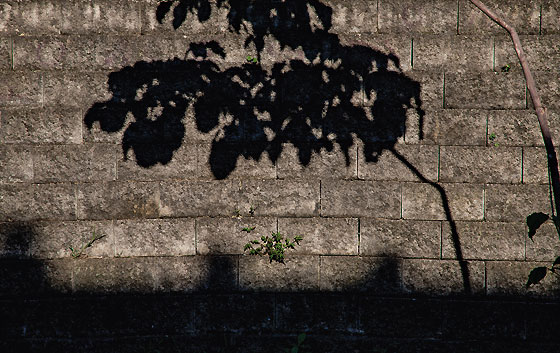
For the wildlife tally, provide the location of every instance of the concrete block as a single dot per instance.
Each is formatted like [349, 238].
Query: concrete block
[519, 128]
[53, 239]
[214, 21]
[285, 198]
[535, 165]
[381, 276]
[389, 51]
[522, 15]
[485, 241]
[164, 161]
[74, 163]
[322, 236]
[425, 17]
[539, 51]
[299, 273]
[306, 313]
[485, 91]
[156, 237]
[389, 168]
[75, 89]
[545, 245]
[360, 199]
[15, 239]
[110, 200]
[118, 18]
[423, 201]
[26, 278]
[480, 164]
[199, 198]
[549, 89]
[245, 312]
[550, 11]
[235, 160]
[124, 275]
[452, 53]
[225, 235]
[17, 164]
[509, 278]
[196, 274]
[47, 125]
[431, 88]
[401, 238]
[5, 53]
[515, 202]
[448, 127]
[356, 17]
[308, 161]
[25, 202]
[441, 277]
[389, 316]
[23, 89]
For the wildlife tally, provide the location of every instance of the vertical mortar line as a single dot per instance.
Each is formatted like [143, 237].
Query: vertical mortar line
[540, 20]
[522, 157]
[457, 17]
[359, 235]
[320, 197]
[196, 236]
[441, 240]
[412, 53]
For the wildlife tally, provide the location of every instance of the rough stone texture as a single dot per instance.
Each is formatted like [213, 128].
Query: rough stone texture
[280, 197]
[25, 202]
[215, 161]
[549, 89]
[221, 235]
[193, 198]
[299, 273]
[462, 53]
[441, 277]
[359, 17]
[362, 274]
[522, 15]
[74, 88]
[535, 165]
[401, 238]
[324, 164]
[514, 203]
[166, 237]
[425, 17]
[54, 239]
[118, 200]
[23, 89]
[430, 87]
[5, 53]
[17, 164]
[510, 278]
[388, 167]
[423, 201]
[519, 128]
[480, 164]
[485, 91]
[544, 245]
[485, 241]
[74, 163]
[549, 14]
[330, 236]
[360, 198]
[449, 127]
[539, 51]
[48, 125]
[183, 164]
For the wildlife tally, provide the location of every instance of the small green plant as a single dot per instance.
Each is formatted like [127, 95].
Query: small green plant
[298, 346]
[249, 229]
[79, 252]
[252, 59]
[237, 213]
[273, 246]
[492, 138]
[251, 211]
[506, 68]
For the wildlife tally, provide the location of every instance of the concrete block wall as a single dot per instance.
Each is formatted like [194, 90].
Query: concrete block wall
[430, 225]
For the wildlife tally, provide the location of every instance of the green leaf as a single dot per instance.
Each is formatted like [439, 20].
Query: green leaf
[536, 275]
[534, 221]
[247, 247]
[300, 338]
[249, 229]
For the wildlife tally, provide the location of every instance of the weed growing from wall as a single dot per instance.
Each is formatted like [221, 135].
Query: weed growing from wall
[273, 246]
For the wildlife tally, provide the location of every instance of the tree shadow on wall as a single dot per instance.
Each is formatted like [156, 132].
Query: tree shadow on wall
[332, 96]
